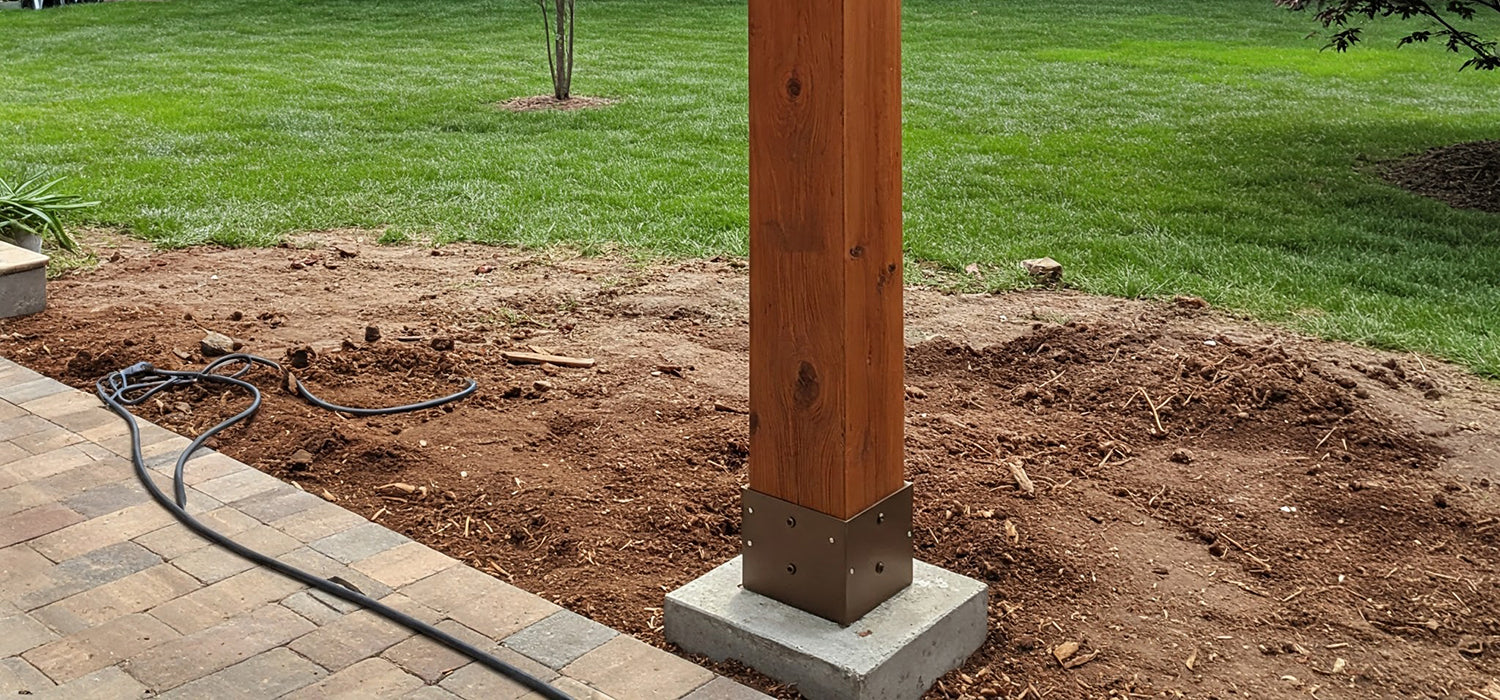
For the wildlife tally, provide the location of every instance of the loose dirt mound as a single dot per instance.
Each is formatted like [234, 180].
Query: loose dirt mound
[1465, 175]
[1221, 509]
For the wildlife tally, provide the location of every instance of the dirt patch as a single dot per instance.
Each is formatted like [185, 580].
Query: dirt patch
[1222, 509]
[1465, 175]
[537, 103]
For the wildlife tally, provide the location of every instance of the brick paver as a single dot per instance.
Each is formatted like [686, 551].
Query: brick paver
[268, 675]
[629, 669]
[104, 595]
[207, 651]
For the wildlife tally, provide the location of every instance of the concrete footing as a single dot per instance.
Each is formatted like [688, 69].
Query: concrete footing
[895, 652]
[23, 281]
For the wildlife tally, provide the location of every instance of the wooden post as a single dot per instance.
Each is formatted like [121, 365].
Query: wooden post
[826, 345]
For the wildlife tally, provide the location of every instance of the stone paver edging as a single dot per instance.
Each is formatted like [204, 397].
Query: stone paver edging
[104, 595]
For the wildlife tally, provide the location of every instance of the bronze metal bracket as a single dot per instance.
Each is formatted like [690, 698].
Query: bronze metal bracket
[835, 569]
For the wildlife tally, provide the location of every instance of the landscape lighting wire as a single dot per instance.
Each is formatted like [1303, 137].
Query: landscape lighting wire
[141, 381]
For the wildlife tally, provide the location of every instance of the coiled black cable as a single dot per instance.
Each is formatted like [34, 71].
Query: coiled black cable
[141, 381]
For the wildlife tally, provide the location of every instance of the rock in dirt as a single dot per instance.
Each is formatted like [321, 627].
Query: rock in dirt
[300, 460]
[442, 344]
[542, 386]
[1065, 651]
[915, 392]
[1189, 302]
[217, 344]
[1045, 270]
[372, 334]
[1182, 455]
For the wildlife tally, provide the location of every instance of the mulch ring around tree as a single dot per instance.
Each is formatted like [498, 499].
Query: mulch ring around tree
[537, 103]
[1464, 175]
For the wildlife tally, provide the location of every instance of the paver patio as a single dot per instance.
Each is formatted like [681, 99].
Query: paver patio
[104, 595]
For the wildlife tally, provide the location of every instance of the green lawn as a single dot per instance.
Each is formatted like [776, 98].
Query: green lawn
[1200, 147]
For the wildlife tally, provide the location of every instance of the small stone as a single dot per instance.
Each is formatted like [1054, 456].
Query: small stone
[372, 334]
[217, 344]
[1189, 302]
[1161, 571]
[484, 269]
[1433, 394]
[237, 316]
[542, 386]
[1028, 643]
[1439, 500]
[1182, 455]
[1065, 651]
[300, 460]
[915, 392]
[442, 344]
[1217, 549]
[1044, 270]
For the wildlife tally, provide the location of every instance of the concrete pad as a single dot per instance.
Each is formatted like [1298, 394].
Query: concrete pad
[895, 652]
[23, 281]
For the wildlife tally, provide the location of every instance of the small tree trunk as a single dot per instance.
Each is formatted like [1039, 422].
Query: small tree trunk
[568, 75]
[562, 77]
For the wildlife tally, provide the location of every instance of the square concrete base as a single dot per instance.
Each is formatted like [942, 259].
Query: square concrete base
[895, 652]
[23, 281]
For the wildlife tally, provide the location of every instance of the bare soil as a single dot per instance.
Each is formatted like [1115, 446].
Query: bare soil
[536, 103]
[1222, 509]
[1464, 175]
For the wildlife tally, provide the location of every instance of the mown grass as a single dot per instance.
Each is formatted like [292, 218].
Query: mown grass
[1200, 147]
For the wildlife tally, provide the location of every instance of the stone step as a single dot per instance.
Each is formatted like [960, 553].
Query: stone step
[23, 281]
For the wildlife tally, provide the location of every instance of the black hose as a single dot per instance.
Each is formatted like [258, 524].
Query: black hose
[139, 382]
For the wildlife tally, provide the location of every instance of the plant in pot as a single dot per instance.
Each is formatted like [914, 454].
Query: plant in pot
[30, 212]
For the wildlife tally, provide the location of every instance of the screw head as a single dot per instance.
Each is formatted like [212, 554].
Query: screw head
[791, 522]
[880, 518]
[830, 540]
[791, 568]
[749, 543]
[879, 567]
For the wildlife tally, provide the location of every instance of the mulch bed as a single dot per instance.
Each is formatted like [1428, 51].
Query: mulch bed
[538, 103]
[1464, 175]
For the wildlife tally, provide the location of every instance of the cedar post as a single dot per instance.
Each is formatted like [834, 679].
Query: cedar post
[827, 515]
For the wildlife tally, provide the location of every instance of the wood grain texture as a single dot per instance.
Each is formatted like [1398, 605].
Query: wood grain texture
[825, 252]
